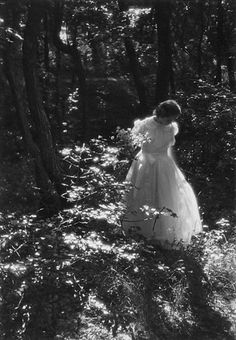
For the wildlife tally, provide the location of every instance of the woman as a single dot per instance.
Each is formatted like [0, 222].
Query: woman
[161, 204]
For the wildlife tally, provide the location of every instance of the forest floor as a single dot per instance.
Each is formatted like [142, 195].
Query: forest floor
[111, 285]
[212, 258]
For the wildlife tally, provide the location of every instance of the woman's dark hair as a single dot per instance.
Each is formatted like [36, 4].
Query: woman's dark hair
[167, 108]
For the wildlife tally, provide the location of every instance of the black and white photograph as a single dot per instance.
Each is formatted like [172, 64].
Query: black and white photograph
[117, 170]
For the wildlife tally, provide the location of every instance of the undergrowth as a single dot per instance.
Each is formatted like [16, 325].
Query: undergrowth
[61, 275]
[77, 275]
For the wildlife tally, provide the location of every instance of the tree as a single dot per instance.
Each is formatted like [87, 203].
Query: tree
[72, 50]
[135, 69]
[220, 41]
[49, 164]
[164, 72]
[226, 13]
[38, 141]
[163, 17]
[136, 73]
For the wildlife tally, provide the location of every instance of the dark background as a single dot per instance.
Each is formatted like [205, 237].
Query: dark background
[71, 71]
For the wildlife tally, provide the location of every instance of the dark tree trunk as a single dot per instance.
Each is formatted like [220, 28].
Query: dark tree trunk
[220, 41]
[79, 70]
[224, 49]
[98, 53]
[135, 69]
[46, 42]
[172, 82]
[15, 83]
[136, 73]
[46, 82]
[58, 108]
[40, 120]
[163, 13]
[231, 71]
[75, 54]
[202, 29]
[13, 71]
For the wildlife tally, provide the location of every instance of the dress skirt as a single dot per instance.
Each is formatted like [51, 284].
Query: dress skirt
[161, 204]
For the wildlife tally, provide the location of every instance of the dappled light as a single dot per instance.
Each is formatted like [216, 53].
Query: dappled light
[100, 272]
[75, 76]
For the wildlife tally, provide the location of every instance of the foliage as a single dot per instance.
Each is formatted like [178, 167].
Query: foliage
[61, 274]
[98, 28]
[18, 190]
[205, 146]
[104, 115]
[76, 275]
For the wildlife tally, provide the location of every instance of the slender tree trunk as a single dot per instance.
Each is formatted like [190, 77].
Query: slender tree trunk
[135, 68]
[231, 71]
[80, 72]
[75, 54]
[224, 50]
[199, 50]
[40, 120]
[172, 82]
[136, 73]
[231, 56]
[163, 13]
[58, 109]
[46, 42]
[98, 54]
[220, 41]
[46, 82]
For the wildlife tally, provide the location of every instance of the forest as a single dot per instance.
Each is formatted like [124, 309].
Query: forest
[74, 75]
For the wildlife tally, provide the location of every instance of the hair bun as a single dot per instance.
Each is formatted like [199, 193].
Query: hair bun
[168, 108]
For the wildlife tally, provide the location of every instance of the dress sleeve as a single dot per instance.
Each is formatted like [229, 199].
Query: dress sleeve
[175, 128]
[140, 131]
[140, 127]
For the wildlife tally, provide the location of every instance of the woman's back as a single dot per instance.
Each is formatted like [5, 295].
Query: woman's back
[158, 137]
[158, 183]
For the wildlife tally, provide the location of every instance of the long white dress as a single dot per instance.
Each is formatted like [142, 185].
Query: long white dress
[157, 184]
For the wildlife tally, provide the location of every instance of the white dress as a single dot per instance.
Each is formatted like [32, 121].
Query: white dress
[157, 182]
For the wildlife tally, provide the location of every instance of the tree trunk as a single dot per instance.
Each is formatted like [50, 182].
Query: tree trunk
[135, 69]
[202, 27]
[231, 72]
[80, 72]
[40, 120]
[46, 82]
[224, 50]
[136, 73]
[46, 42]
[220, 42]
[98, 55]
[172, 82]
[163, 13]
[58, 109]
[15, 83]
[12, 59]
[75, 54]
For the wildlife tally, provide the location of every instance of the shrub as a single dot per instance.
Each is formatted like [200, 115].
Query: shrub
[61, 274]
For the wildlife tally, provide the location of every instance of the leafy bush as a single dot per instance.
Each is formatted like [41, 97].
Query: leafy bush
[17, 186]
[56, 273]
[205, 147]
[77, 275]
